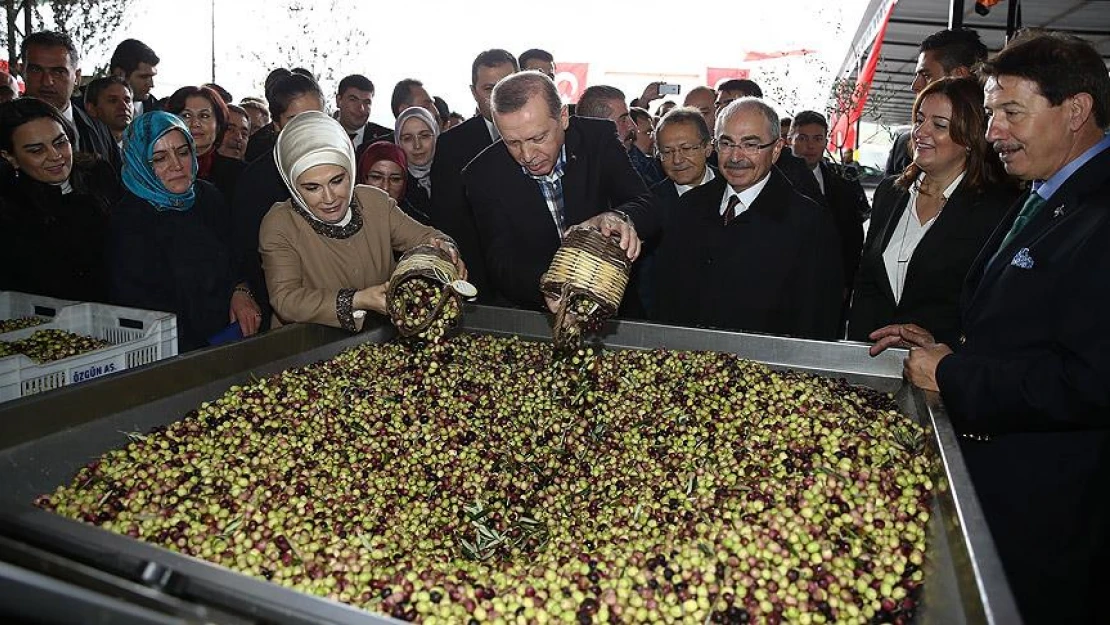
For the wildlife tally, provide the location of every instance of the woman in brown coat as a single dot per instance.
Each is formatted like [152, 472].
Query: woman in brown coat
[328, 252]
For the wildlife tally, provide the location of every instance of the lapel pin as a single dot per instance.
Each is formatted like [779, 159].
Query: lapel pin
[1022, 259]
[1059, 211]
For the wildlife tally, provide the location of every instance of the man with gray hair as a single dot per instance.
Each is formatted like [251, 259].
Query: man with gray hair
[549, 172]
[748, 252]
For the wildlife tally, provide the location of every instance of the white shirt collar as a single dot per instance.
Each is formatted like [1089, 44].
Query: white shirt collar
[946, 195]
[820, 177]
[357, 140]
[747, 196]
[492, 128]
[683, 188]
[68, 112]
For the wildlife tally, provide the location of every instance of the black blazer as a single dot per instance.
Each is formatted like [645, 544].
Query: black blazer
[775, 269]
[373, 134]
[514, 224]
[899, 157]
[95, 138]
[53, 243]
[261, 142]
[174, 261]
[416, 202]
[450, 210]
[1034, 371]
[225, 175]
[848, 204]
[935, 276]
[260, 187]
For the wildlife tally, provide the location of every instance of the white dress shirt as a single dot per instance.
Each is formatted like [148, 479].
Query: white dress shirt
[820, 178]
[683, 188]
[907, 235]
[747, 196]
[492, 128]
[68, 114]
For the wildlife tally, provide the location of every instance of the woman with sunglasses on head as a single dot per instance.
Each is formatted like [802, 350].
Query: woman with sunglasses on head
[169, 245]
[54, 206]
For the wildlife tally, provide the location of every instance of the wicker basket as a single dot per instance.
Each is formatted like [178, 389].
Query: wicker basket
[427, 262]
[590, 265]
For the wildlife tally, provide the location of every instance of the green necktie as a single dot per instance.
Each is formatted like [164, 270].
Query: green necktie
[1028, 211]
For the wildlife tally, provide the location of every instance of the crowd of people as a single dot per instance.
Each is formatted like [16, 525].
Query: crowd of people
[985, 253]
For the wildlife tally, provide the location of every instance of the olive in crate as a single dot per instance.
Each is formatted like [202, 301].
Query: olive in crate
[50, 345]
[11, 325]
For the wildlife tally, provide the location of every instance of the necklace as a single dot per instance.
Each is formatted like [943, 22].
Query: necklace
[905, 256]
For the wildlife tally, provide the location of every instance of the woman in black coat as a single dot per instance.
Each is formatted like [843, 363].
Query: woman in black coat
[205, 113]
[929, 224]
[54, 207]
[169, 237]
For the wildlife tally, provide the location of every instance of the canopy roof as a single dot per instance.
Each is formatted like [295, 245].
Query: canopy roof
[914, 20]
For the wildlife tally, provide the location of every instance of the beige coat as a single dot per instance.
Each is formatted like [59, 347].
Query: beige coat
[310, 271]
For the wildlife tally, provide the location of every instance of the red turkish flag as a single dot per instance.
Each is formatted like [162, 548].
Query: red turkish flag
[570, 79]
[714, 76]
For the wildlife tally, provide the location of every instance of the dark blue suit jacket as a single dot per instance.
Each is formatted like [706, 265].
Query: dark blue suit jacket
[1034, 372]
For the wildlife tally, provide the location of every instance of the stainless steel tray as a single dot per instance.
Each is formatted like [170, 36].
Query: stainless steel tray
[44, 440]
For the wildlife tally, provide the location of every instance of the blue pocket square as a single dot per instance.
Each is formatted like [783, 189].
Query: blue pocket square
[1022, 259]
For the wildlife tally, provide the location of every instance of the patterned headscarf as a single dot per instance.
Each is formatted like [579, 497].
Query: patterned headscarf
[138, 171]
[313, 138]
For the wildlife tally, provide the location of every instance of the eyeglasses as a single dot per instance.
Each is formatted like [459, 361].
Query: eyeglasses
[686, 151]
[747, 147]
[376, 178]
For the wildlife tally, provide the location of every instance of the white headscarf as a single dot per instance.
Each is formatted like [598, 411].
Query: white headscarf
[313, 138]
[422, 173]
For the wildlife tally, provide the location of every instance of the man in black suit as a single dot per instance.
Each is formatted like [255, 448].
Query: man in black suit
[954, 52]
[747, 251]
[547, 173]
[809, 134]
[353, 100]
[684, 143]
[450, 211]
[1032, 371]
[136, 62]
[52, 68]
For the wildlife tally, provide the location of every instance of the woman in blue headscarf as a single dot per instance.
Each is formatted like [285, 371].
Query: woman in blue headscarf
[169, 237]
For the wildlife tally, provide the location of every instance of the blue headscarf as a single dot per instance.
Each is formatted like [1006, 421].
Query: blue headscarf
[138, 150]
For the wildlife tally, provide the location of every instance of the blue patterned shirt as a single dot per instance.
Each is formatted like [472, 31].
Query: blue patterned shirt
[551, 185]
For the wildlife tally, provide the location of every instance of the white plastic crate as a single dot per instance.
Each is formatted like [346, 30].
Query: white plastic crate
[138, 337]
[14, 305]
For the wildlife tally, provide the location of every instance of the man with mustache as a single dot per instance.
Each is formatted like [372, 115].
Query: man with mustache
[746, 251]
[1028, 383]
[52, 68]
[549, 172]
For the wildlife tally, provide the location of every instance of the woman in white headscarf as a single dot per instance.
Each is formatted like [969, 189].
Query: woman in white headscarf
[416, 132]
[328, 252]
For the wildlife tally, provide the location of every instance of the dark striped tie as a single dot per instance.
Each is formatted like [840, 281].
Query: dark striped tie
[730, 210]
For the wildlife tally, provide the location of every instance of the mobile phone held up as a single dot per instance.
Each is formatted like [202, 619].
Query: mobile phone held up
[669, 89]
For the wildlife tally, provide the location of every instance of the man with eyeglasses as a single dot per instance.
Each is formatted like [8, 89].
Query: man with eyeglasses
[52, 68]
[746, 251]
[846, 200]
[683, 143]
